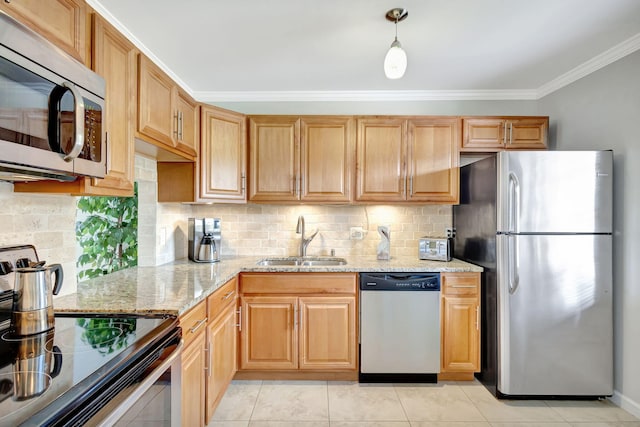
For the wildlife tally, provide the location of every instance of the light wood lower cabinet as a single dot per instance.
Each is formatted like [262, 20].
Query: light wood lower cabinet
[209, 332]
[460, 311]
[298, 322]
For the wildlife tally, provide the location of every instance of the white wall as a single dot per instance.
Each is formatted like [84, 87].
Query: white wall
[602, 111]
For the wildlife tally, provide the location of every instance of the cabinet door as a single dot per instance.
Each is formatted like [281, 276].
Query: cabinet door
[460, 352]
[222, 155]
[483, 134]
[187, 135]
[156, 117]
[380, 154]
[221, 350]
[114, 58]
[326, 150]
[63, 22]
[328, 333]
[433, 160]
[274, 158]
[193, 386]
[269, 336]
[528, 133]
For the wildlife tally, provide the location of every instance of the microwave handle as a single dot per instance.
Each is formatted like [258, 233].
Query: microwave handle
[78, 122]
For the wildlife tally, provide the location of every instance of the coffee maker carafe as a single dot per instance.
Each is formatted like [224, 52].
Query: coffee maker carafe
[204, 239]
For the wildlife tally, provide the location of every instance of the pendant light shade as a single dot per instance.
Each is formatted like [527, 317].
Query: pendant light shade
[395, 62]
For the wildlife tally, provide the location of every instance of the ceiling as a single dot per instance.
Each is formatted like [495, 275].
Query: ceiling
[253, 50]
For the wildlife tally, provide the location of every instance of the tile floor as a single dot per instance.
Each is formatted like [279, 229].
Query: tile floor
[350, 404]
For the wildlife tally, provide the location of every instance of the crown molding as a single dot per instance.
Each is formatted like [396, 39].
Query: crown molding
[364, 95]
[99, 8]
[594, 64]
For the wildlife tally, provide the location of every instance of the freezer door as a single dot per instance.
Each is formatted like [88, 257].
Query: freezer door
[555, 191]
[555, 320]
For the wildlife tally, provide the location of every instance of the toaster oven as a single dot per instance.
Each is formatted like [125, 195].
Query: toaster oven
[435, 249]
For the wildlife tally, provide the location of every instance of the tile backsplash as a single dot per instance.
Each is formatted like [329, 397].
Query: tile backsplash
[47, 222]
[269, 230]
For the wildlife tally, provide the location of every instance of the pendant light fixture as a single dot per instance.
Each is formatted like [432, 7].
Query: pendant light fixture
[395, 62]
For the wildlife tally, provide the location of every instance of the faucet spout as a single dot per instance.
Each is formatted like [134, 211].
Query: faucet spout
[304, 241]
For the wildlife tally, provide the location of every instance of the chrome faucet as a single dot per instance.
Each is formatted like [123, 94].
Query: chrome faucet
[304, 242]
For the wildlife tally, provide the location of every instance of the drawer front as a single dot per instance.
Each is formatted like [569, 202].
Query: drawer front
[193, 322]
[298, 283]
[222, 298]
[460, 283]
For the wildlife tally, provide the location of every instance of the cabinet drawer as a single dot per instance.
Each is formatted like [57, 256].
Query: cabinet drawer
[460, 283]
[221, 298]
[298, 283]
[193, 322]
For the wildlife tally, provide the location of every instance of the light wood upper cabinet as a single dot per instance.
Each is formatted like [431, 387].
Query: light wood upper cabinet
[114, 58]
[433, 161]
[187, 135]
[222, 159]
[327, 146]
[408, 159]
[381, 152]
[300, 158]
[489, 134]
[273, 158]
[167, 117]
[63, 22]
[460, 324]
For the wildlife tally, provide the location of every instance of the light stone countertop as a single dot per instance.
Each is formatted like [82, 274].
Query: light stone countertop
[175, 287]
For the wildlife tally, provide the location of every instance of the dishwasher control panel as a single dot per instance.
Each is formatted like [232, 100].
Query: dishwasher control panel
[400, 281]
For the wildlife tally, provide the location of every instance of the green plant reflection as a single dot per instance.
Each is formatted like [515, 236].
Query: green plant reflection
[107, 335]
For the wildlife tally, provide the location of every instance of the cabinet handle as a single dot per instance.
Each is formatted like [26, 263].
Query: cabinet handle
[239, 324]
[295, 317]
[181, 127]
[176, 131]
[228, 295]
[411, 186]
[477, 318]
[510, 133]
[243, 180]
[198, 325]
[405, 187]
[210, 361]
[504, 134]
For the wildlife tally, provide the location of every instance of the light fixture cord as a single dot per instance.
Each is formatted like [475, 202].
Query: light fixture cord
[396, 28]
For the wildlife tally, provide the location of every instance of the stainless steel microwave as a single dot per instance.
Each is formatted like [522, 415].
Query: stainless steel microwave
[51, 110]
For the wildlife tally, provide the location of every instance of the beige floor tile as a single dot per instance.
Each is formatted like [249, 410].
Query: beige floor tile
[516, 424]
[608, 424]
[589, 411]
[370, 424]
[437, 402]
[364, 402]
[228, 424]
[238, 402]
[510, 411]
[289, 424]
[292, 401]
[450, 424]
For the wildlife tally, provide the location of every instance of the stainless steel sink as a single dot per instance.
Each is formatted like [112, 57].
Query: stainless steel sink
[303, 261]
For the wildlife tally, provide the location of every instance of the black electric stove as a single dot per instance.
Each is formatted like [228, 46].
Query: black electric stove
[67, 374]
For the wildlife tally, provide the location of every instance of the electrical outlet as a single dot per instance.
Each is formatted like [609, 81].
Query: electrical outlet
[356, 233]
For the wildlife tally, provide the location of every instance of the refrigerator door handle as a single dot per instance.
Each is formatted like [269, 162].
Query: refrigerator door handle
[512, 263]
[513, 203]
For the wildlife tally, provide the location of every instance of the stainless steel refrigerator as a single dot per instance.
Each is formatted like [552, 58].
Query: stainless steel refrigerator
[540, 223]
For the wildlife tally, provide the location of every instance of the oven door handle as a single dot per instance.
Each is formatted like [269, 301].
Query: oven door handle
[117, 412]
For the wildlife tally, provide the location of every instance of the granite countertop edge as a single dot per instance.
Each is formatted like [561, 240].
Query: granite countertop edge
[178, 286]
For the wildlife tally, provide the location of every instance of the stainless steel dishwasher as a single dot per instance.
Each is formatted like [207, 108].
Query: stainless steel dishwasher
[399, 327]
